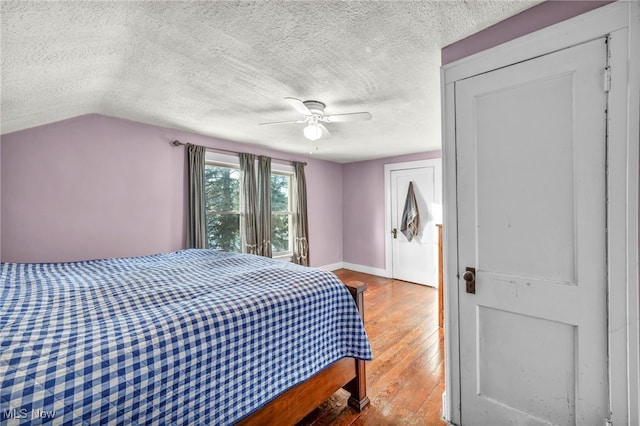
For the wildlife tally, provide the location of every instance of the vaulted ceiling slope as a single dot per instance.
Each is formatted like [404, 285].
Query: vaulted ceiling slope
[219, 68]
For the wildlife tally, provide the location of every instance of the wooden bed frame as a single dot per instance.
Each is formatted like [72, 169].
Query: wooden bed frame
[348, 373]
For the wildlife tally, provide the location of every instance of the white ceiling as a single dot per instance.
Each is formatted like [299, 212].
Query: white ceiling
[219, 68]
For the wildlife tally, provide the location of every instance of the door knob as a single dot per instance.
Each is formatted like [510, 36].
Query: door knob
[394, 231]
[470, 278]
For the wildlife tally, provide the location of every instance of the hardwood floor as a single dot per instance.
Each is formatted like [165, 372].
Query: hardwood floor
[405, 380]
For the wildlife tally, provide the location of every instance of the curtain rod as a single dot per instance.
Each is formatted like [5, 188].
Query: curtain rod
[178, 143]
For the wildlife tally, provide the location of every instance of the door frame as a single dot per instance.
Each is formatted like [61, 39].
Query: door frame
[388, 168]
[620, 20]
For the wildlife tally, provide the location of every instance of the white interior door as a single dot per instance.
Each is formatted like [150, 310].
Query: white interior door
[416, 260]
[531, 193]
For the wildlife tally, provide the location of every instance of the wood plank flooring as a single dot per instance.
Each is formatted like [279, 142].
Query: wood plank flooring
[405, 380]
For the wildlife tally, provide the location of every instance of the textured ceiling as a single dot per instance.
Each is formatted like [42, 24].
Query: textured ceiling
[219, 68]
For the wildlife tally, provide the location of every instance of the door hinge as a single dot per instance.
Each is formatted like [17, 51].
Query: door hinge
[607, 79]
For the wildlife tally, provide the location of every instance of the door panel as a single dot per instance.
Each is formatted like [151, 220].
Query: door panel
[531, 218]
[500, 379]
[524, 229]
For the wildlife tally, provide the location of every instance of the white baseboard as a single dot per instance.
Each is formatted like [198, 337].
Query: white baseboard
[354, 267]
[333, 266]
[365, 269]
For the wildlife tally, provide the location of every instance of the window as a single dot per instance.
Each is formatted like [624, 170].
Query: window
[222, 203]
[223, 206]
[281, 214]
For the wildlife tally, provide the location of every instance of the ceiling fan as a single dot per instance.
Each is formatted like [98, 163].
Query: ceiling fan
[313, 112]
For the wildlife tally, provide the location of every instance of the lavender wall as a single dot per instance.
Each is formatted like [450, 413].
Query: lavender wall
[363, 209]
[526, 22]
[0, 197]
[96, 186]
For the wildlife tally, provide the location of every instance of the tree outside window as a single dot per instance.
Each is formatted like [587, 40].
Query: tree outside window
[281, 214]
[222, 194]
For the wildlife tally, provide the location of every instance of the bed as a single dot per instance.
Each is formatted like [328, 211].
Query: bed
[191, 337]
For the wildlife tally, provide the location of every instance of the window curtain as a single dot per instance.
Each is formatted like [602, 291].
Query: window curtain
[249, 202]
[264, 206]
[196, 222]
[300, 224]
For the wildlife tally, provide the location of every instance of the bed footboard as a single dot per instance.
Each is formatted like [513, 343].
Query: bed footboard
[358, 386]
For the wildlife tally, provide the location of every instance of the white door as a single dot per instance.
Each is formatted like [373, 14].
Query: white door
[416, 260]
[531, 168]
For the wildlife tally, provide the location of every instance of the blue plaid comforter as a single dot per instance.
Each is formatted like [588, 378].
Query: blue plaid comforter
[192, 337]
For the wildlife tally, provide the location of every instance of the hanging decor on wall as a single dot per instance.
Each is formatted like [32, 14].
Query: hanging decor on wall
[410, 225]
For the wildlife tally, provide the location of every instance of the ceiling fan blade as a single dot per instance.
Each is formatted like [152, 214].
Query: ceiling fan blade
[325, 133]
[282, 122]
[299, 106]
[352, 116]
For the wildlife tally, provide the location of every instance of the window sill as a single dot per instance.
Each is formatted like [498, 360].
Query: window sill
[283, 257]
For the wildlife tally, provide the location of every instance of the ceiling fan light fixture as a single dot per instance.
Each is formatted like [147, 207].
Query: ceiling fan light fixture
[312, 132]
[313, 115]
